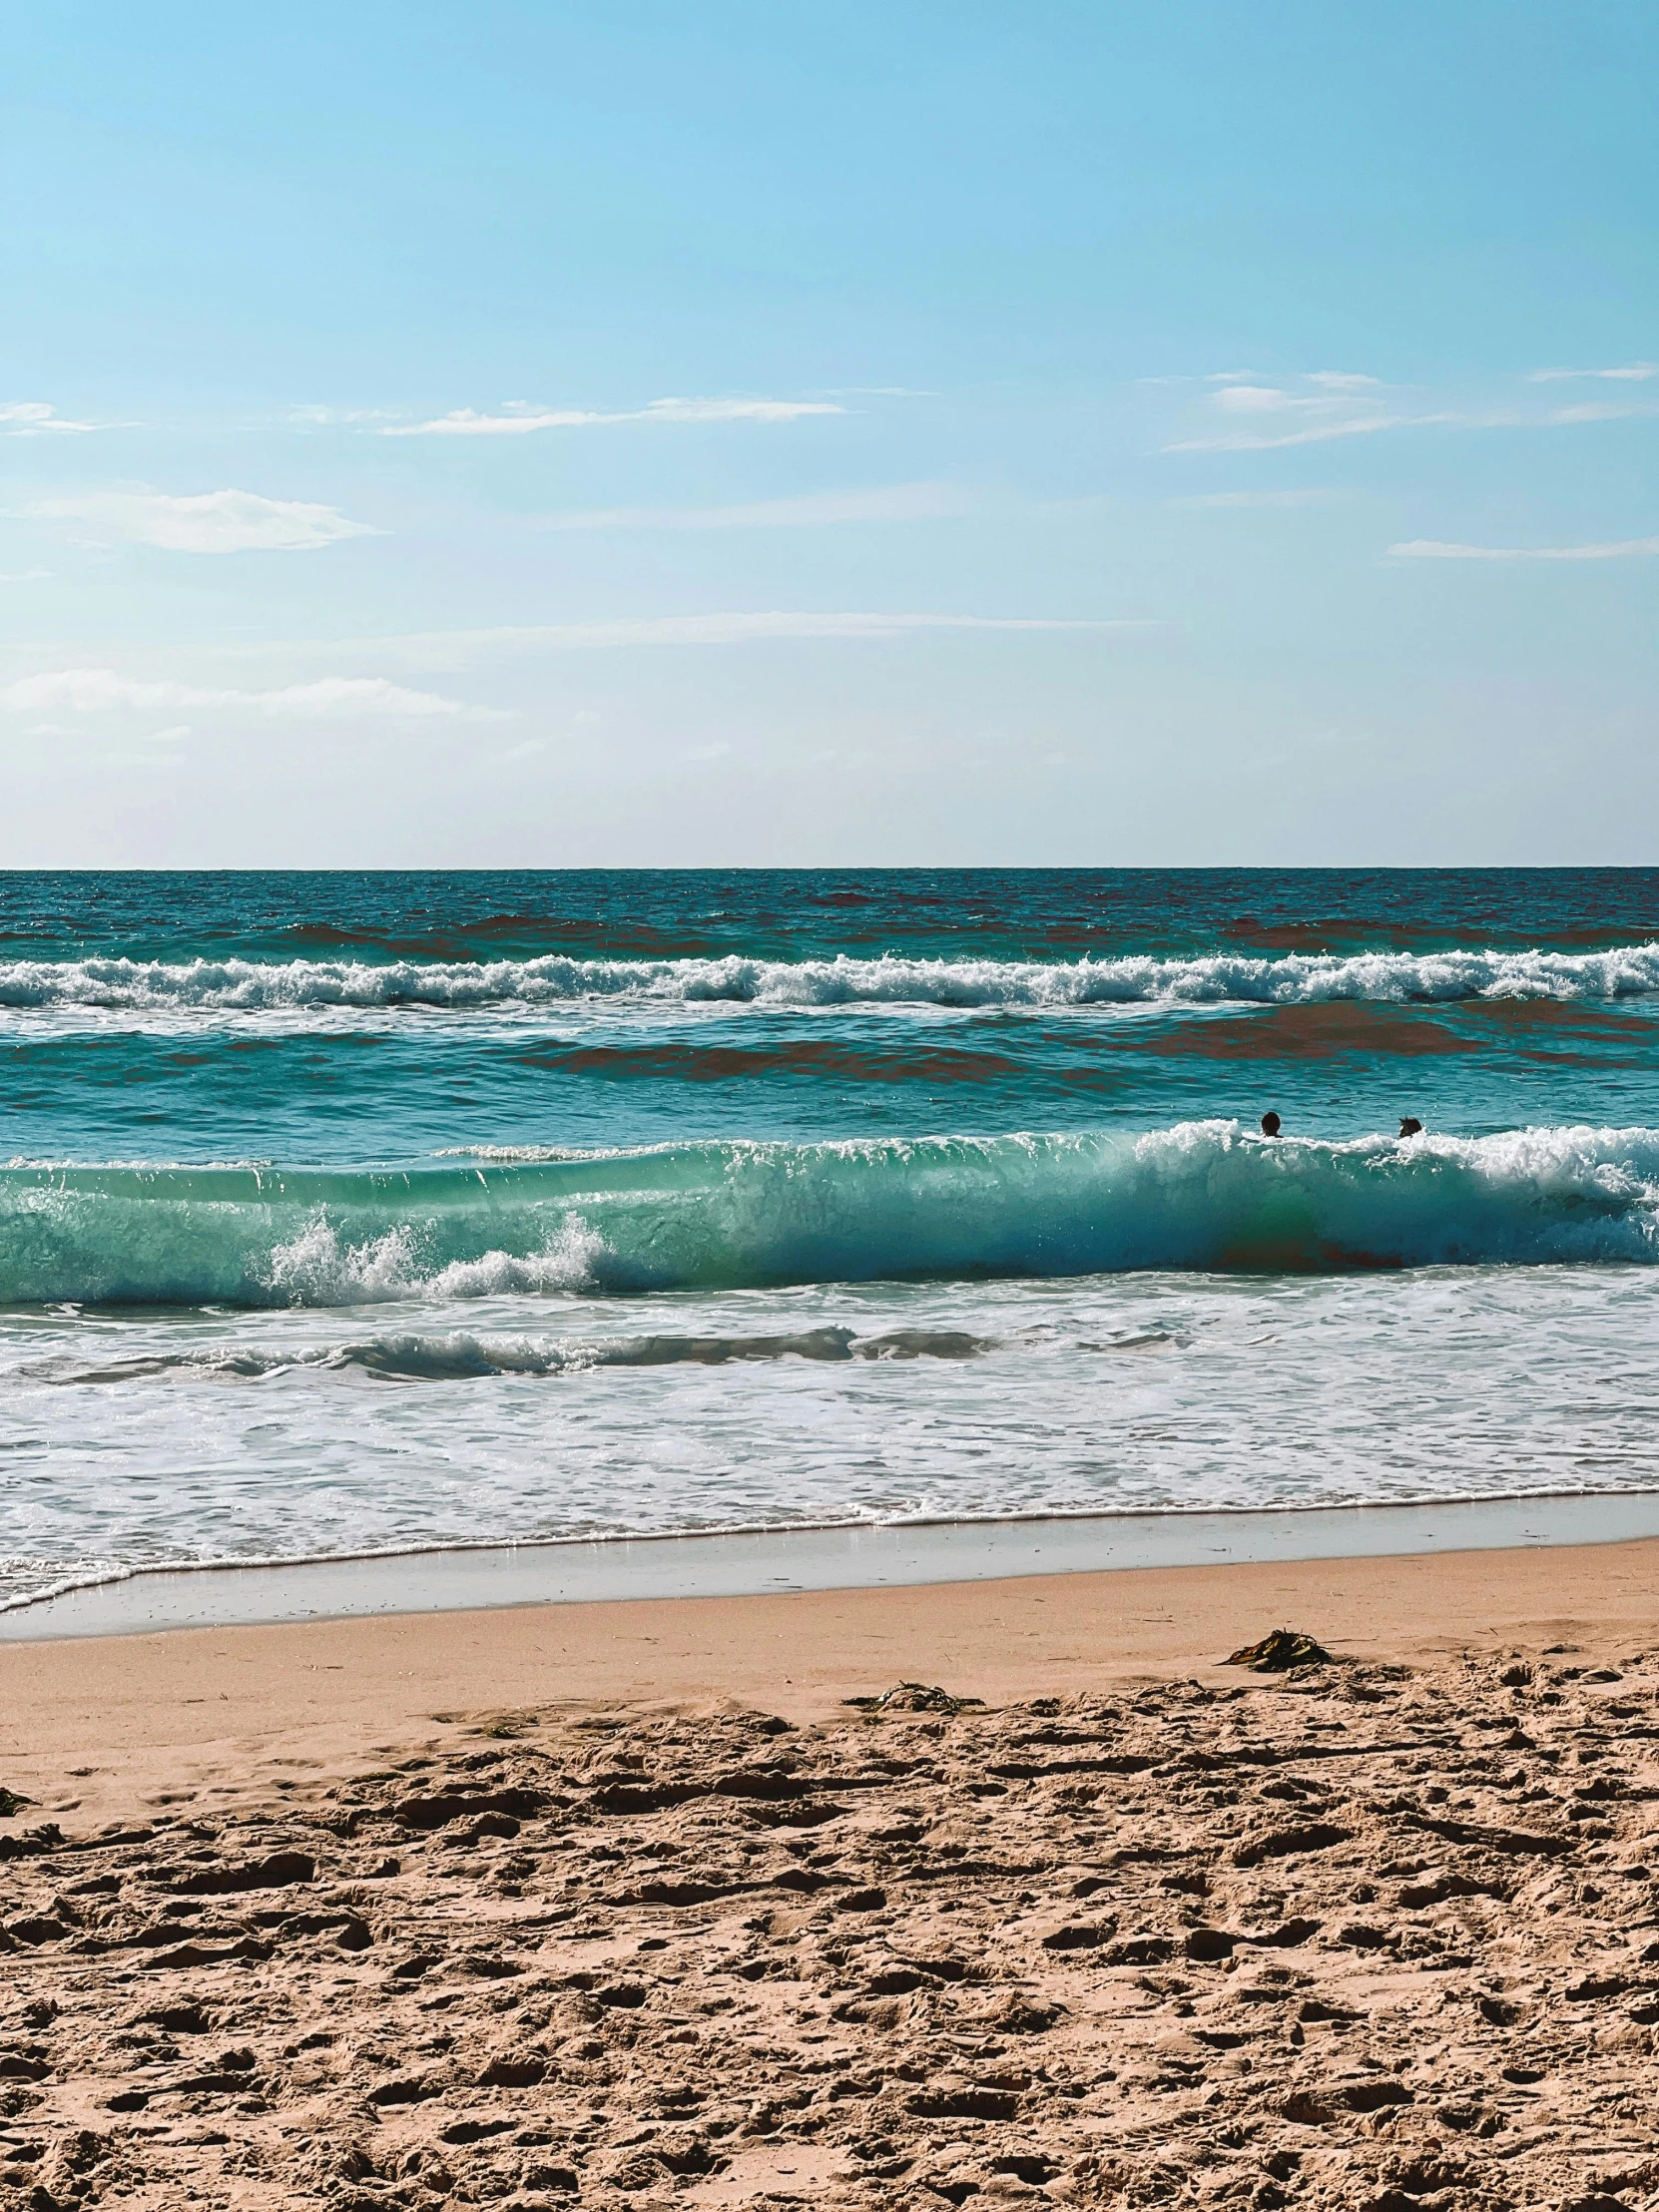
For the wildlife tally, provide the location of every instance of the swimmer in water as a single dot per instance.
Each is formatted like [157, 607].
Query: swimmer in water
[1270, 1125]
[1410, 1127]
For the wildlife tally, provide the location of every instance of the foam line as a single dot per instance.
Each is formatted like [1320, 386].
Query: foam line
[238, 985]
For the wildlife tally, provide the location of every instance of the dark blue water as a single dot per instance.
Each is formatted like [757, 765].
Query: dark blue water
[386, 1018]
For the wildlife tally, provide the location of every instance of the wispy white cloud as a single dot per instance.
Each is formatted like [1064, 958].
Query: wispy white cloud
[1601, 410]
[1307, 498]
[729, 629]
[1255, 442]
[325, 418]
[432, 653]
[1634, 372]
[1435, 549]
[517, 418]
[204, 522]
[92, 691]
[27, 418]
[890, 503]
[1259, 399]
[1325, 403]
[1241, 393]
[1366, 425]
[1339, 381]
[1331, 403]
[24, 575]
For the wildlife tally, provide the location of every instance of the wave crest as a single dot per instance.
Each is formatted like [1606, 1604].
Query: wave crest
[263, 986]
[1202, 1195]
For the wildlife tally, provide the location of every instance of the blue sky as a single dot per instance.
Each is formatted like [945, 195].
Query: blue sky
[887, 433]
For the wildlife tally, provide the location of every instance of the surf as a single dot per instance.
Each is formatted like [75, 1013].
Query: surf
[740, 1214]
[245, 986]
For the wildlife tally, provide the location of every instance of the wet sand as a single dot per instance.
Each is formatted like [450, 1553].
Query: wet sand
[625, 1905]
[856, 1557]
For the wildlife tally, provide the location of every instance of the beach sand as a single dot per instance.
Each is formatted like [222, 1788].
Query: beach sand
[624, 1905]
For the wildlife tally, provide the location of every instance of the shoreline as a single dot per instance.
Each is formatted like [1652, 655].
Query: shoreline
[217, 1711]
[845, 1557]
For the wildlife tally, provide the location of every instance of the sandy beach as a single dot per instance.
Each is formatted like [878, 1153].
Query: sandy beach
[629, 1904]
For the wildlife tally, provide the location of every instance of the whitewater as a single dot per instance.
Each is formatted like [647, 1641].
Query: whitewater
[250, 986]
[361, 1214]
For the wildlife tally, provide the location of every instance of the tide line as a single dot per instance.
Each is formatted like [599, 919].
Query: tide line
[783, 1560]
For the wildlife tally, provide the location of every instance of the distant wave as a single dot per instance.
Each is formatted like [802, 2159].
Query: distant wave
[235, 985]
[729, 1214]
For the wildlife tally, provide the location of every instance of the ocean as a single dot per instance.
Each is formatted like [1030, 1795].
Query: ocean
[348, 1214]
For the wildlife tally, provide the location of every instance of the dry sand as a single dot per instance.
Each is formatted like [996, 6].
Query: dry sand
[622, 1906]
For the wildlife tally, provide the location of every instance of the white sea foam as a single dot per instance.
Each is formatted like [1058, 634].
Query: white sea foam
[266, 986]
[319, 1267]
[241, 1436]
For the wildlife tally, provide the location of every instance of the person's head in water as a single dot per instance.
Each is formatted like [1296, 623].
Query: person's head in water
[1410, 1127]
[1270, 1125]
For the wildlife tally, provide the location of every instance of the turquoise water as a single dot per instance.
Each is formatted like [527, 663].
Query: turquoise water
[361, 1212]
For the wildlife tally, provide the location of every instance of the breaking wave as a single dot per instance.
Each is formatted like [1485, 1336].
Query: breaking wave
[254, 987]
[1202, 1195]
